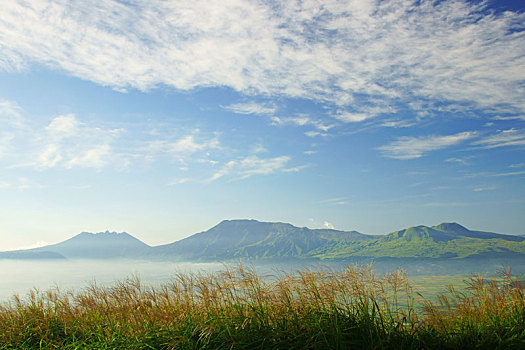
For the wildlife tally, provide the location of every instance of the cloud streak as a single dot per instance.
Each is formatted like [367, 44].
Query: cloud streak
[180, 148]
[416, 147]
[251, 165]
[251, 108]
[339, 52]
[505, 138]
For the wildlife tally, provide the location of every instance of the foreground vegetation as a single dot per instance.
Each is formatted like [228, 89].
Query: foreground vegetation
[237, 308]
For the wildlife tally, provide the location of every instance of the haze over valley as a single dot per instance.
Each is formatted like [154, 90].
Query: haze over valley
[419, 250]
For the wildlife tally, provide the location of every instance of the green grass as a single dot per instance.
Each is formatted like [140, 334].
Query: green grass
[309, 309]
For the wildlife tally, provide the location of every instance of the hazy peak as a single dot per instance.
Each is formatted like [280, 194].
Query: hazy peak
[104, 233]
[450, 227]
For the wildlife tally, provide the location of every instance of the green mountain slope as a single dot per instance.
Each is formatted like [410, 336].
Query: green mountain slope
[250, 238]
[447, 240]
[236, 239]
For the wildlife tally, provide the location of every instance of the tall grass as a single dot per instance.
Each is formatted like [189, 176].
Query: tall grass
[237, 308]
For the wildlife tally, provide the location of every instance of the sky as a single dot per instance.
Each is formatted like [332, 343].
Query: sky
[163, 118]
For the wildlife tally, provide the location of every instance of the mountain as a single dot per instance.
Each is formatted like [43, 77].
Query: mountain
[236, 239]
[447, 240]
[232, 239]
[100, 245]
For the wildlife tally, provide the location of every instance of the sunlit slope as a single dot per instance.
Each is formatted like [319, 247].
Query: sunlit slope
[233, 239]
[447, 240]
[251, 238]
[236, 239]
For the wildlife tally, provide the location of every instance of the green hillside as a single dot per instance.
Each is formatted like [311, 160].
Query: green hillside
[234, 239]
[447, 240]
[251, 239]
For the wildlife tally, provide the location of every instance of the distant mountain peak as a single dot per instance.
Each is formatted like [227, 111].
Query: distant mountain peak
[104, 234]
[451, 227]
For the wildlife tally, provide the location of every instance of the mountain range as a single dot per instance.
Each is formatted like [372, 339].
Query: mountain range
[251, 239]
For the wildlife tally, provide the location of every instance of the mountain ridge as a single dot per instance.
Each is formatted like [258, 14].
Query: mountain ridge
[252, 239]
[100, 245]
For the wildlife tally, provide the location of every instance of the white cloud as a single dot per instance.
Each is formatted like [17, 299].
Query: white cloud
[315, 133]
[259, 148]
[335, 201]
[96, 157]
[69, 143]
[50, 156]
[251, 108]
[415, 147]
[295, 169]
[181, 148]
[348, 117]
[461, 161]
[517, 165]
[5, 143]
[343, 52]
[63, 126]
[10, 114]
[510, 137]
[64, 142]
[301, 120]
[512, 173]
[11, 120]
[251, 165]
[328, 225]
[398, 123]
[519, 117]
[483, 189]
[178, 182]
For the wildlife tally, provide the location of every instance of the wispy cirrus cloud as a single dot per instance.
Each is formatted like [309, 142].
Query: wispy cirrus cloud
[11, 121]
[251, 165]
[517, 165]
[64, 141]
[484, 188]
[335, 201]
[415, 147]
[512, 173]
[301, 120]
[510, 137]
[339, 52]
[348, 117]
[69, 143]
[398, 123]
[251, 108]
[10, 113]
[181, 148]
[461, 161]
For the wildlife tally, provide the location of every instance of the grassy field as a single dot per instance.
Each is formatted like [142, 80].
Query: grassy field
[237, 308]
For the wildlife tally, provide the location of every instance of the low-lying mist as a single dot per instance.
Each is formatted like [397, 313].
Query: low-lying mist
[20, 276]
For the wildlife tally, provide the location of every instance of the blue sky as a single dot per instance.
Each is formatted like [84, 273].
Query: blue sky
[162, 118]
